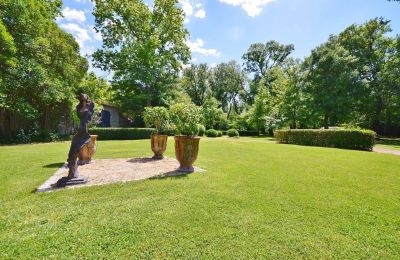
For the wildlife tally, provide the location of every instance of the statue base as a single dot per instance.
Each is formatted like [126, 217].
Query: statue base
[65, 181]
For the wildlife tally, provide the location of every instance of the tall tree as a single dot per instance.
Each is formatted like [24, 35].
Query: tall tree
[144, 46]
[331, 77]
[260, 58]
[227, 83]
[43, 65]
[195, 81]
[370, 45]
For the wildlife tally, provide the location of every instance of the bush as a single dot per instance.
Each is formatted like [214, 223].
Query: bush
[202, 130]
[249, 133]
[232, 133]
[186, 118]
[157, 117]
[122, 133]
[212, 133]
[349, 139]
[220, 133]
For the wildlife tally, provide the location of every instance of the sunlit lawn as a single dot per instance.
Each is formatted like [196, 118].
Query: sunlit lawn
[257, 199]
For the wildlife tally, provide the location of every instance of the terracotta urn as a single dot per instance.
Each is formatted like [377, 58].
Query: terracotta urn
[186, 151]
[158, 145]
[85, 155]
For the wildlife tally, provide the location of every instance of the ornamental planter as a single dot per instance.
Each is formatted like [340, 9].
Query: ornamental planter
[186, 151]
[85, 155]
[158, 145]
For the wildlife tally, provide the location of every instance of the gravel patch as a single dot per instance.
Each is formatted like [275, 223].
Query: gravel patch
[106, 171]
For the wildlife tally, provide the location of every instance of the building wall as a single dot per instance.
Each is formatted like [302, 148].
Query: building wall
[114, 118]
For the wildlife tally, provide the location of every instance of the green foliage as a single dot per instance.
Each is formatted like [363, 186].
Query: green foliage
[122, 133]
[349, 139]
[144, 46]
[202, 130]
[157, 117]
[232, 133]
[195, 81]
[186, 118]
[40, 64]
[98, 89]
[227, 82]
[213, 116]
[212, 133]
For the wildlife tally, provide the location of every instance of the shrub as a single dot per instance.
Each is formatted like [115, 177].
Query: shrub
[202, 130]
[219, 133]
[122, 133]
[212, 133]
[249, 133]
[232, 133]
[349, 139]
[186, 118]
[157, 117]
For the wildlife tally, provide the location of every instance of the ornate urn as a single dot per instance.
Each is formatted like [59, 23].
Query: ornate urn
[158, 145]
[186, 151]
[85, 155]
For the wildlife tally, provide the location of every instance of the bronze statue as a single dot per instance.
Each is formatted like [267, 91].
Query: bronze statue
[85, 110]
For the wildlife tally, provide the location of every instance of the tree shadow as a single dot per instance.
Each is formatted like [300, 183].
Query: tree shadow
[143, 160]
[172, 174]
[389, 141]
[54, 165]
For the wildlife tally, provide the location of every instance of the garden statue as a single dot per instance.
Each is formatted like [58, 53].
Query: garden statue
[85, 110]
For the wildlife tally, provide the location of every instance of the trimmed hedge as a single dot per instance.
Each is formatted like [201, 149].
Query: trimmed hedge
[339, 138]
[232, 133]
[108, 133]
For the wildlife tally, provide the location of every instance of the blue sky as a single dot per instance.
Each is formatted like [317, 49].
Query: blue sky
[222, 30]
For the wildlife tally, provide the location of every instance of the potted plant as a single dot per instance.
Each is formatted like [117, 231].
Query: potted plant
[157, 117]
[186, 118]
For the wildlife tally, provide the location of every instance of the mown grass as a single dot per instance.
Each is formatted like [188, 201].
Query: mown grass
[257, 199]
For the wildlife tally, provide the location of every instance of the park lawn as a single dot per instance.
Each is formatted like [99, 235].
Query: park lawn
[257, 199]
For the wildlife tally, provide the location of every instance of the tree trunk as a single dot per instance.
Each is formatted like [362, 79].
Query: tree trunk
[326, 121]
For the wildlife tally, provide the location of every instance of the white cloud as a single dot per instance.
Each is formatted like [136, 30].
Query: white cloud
[200, 14]
[198, 47]
[192, 8]
[252, 7]
[73, 15]
[81, 34]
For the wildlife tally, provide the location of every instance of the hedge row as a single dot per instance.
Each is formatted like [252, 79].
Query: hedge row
[349, 139]
[122, 133]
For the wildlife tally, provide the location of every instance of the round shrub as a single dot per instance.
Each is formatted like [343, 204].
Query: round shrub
[186, 118]
[202, 130]
[212, 133]
[219, 133]
[232, 133]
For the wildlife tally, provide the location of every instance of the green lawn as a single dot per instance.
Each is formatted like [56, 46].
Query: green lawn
[257, 199]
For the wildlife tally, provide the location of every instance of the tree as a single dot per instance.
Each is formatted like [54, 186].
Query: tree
[196, 83]
[213, 116]
[227, 83]
[144, 46]
[41, 68]
[97, 88]
[260, 58]
[368, 43]
[331, 77]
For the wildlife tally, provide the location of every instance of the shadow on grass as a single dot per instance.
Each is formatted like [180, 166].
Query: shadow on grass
[389, 141]
[171, 174]
[54, 165]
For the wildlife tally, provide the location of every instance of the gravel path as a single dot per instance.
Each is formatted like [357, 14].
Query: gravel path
[385, 150]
